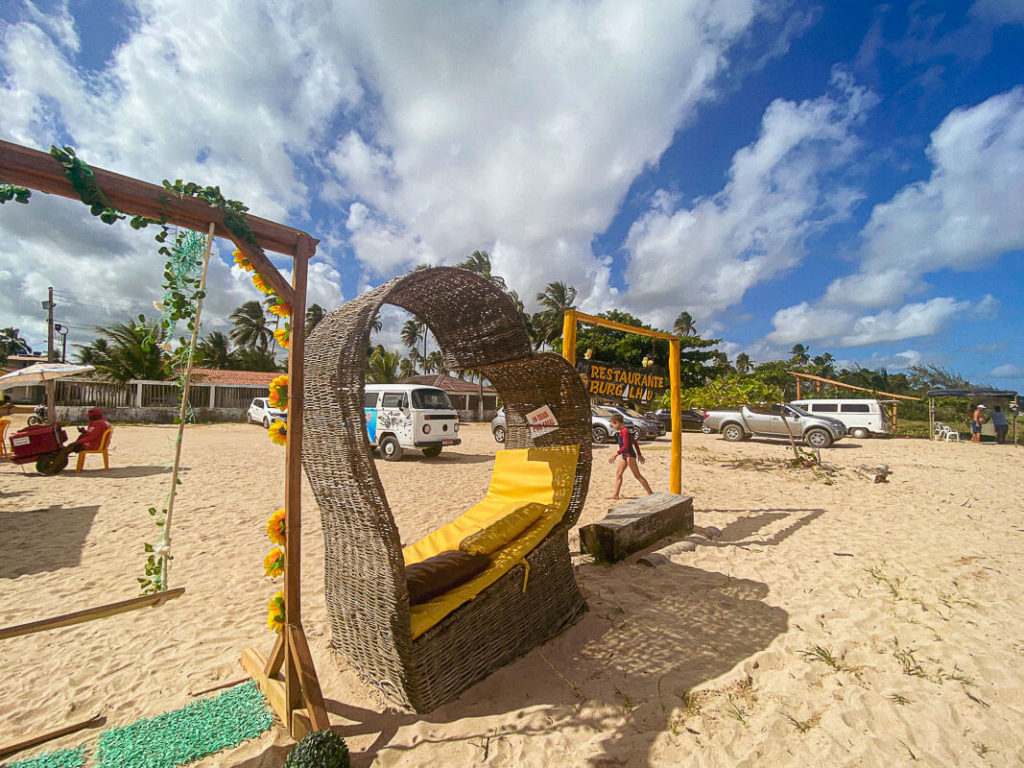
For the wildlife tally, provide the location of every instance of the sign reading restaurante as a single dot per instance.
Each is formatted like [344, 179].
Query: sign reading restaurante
[621, 382]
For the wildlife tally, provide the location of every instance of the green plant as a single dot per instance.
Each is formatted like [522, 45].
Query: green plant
[11, 192]
[818, 653]
[320, 749]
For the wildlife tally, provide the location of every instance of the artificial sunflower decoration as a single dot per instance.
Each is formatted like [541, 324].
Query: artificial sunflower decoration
[275, 527]
[279, 393]
[281, 310]
[241, 261]
[260, 283]
[283, 336]
[273, 563]
[275, 612]
[278, 432]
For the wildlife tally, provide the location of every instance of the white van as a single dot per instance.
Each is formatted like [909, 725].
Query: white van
[863, 418]
[400, 417]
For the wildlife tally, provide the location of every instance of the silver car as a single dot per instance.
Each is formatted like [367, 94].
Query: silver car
[648, 429]
[601, 428]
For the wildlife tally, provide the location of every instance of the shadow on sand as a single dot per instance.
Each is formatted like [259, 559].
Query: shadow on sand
[119, 472]
[613, 679]
[55, 536]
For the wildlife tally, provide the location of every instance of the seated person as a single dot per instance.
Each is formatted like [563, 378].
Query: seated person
[89, 439]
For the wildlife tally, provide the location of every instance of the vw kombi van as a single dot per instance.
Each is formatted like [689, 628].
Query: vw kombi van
[863, 418]
[401, 417]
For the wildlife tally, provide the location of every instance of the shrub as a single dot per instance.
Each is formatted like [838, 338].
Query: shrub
[321, 749]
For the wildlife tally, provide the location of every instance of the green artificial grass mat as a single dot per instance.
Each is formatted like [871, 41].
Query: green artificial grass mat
[198, 729]
[61, 758]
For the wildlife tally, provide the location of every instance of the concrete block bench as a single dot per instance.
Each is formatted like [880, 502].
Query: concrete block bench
[636, 524]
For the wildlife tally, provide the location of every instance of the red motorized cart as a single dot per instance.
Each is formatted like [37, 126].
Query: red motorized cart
[43, 444]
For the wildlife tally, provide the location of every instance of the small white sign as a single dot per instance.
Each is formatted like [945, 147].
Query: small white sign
[541, 420]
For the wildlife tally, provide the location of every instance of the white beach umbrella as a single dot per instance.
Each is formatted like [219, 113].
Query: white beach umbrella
[41, 373]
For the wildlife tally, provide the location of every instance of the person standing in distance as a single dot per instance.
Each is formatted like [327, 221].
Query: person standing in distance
[977, 419]
[627, 456]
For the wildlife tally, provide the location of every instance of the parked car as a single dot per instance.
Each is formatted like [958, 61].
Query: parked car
[649, 429]
[260, 412]
[692, 419]
[400, 417]
[601, 428]
[777, 421]
[863, 418]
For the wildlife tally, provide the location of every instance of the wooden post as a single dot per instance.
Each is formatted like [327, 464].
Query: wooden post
[569, 336]
[797, 387]
[931, 418]
[675, 480]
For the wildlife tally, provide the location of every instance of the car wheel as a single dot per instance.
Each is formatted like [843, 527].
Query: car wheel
[266, 422]
[860, 433]
[818, 438]
[390, 449]
[706, 430]
[499, 434]
[600, 435]
[432, 452]
[733, 433]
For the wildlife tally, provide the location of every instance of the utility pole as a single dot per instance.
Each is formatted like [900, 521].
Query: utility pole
[51, 410]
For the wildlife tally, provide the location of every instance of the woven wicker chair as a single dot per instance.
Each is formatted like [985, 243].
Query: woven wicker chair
[477, 326]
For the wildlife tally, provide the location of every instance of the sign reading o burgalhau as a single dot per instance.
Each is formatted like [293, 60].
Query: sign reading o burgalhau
[621, 382]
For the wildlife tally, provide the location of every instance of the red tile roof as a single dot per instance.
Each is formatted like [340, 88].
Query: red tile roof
[449, 384]
[221, 376]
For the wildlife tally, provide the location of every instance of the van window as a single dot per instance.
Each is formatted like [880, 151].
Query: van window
[370, 400]
[394, 400]
[856, 408]
[824, 407]
[431, 398]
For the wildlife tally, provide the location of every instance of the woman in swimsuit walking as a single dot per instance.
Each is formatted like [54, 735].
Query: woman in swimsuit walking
[627, 456]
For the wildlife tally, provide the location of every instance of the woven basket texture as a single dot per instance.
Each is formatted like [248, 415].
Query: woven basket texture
[477, 326]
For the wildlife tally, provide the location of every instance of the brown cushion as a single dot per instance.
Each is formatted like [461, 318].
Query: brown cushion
[436, 575]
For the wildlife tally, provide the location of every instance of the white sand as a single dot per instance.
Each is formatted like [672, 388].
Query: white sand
[912, 587]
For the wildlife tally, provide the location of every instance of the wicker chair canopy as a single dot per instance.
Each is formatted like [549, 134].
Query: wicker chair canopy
[477, 326]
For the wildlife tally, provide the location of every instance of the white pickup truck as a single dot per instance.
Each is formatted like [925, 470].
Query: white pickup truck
[777, 421]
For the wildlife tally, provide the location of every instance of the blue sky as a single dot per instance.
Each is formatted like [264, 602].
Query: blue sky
[843, 175]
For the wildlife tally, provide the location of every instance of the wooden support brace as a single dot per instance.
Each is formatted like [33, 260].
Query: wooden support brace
[88, 614]
[311, 694]
[16, 746]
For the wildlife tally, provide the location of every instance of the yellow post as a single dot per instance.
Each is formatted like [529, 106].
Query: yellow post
[569, 337]
[675, 479]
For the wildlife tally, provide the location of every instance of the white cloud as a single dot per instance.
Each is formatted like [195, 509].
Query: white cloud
[963, 217]
[911, 321]
[779, 191]
[1007, 371]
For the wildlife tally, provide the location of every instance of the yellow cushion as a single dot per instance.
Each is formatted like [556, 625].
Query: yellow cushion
[543, 476]
[498, 534]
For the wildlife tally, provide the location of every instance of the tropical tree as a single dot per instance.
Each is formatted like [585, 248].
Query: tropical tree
[314, 314]
[128, 351]
[11, 343]
[382, 367]
[743, 363]
[480, 262]
[214, 351]
[406, 368]
[825, 365]
[413, 332]
[556, 298]
[250, 330]
[800, 354]
[435, 360]
[255, 359]
[684, 324]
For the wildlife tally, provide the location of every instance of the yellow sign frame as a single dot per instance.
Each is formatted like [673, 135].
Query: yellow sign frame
[573, 318]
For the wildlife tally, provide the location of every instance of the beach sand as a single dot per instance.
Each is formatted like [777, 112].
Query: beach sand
[834, 621]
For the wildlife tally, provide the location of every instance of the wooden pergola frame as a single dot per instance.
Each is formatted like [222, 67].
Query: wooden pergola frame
[820, 380]
[572, 317]
[288, 678]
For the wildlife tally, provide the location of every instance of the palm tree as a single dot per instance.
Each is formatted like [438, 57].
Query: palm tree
[556, 298]
[255, 359]
[214, 351]
[314, 314]
[800, 354]
[128, 351]
[376, 324]
[251, 330]
[684, 324]
[826, 365]
[436, 361]
[11, 343]
[413, 331]
[480, 262]
[743, 364]
[382, 367]
[406, 368]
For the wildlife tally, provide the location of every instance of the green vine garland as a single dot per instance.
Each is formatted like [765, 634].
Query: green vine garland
[11, 192]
